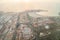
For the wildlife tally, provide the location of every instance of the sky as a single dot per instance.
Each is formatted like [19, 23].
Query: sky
[53, 6]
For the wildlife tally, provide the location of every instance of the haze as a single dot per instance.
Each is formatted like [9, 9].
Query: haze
[53, 6]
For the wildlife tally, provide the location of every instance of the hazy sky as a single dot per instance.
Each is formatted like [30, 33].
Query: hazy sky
[53, 6]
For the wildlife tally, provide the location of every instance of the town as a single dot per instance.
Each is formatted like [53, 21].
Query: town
[28, 25]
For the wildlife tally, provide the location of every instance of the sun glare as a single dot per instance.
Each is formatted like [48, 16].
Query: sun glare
[26, 0]
[17, 1]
